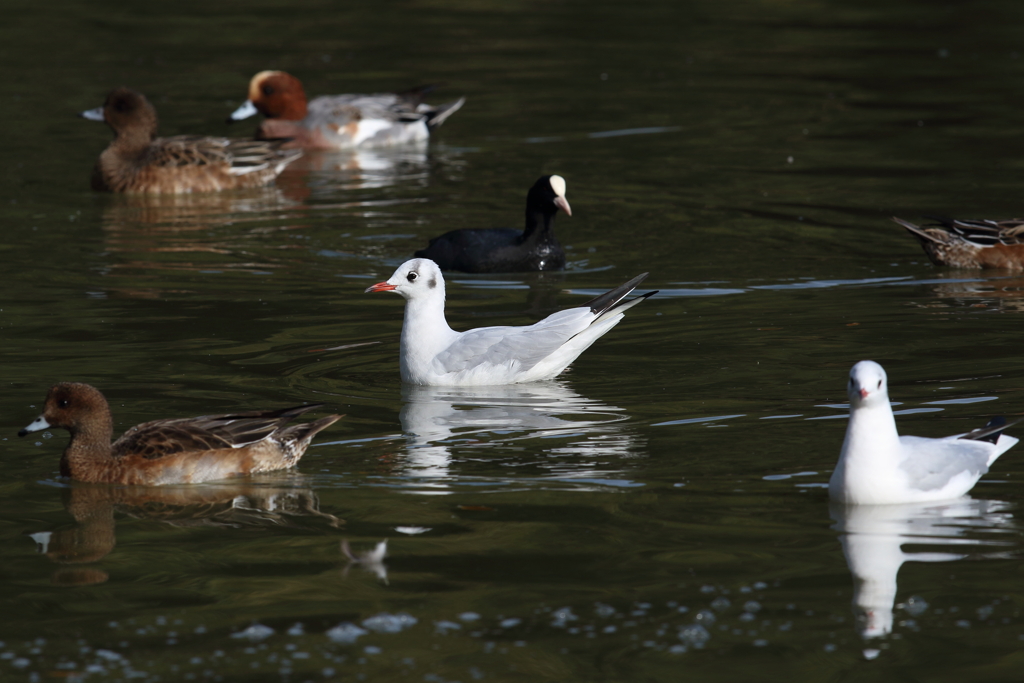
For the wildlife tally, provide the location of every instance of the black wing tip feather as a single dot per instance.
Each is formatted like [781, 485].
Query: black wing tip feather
[606, 301]
[991, 431]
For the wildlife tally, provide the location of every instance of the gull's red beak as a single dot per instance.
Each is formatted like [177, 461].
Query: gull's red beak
[863, 392]
[563, 204]
[380, 287]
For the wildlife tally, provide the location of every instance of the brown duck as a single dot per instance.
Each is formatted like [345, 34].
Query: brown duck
[172, 451]
[971, 243]
[138, 161]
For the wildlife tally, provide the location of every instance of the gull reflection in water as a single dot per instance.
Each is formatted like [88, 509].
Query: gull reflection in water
[874, 536]
[231, 505]
[435, 418]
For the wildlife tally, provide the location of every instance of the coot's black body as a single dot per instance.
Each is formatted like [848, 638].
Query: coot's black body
[504, 250]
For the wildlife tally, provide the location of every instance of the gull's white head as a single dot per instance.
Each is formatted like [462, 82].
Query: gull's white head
[415, 279]
[868, 385]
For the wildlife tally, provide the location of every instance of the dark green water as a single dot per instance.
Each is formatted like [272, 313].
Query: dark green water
[658, 513]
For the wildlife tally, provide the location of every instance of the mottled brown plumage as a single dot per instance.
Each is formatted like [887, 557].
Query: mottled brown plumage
[971, 243]
[172, 451]
[137, 161]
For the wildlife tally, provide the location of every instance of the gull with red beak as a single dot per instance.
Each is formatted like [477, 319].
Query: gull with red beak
[431, 353]
[877, 466]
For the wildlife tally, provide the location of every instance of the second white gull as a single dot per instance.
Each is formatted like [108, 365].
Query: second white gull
[877, 466]
[432, 353]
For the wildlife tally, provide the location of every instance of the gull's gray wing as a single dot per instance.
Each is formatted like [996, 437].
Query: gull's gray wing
[523, 346]
[932, 463]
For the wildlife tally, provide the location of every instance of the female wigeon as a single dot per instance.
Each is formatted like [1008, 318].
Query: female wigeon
[173, 451]
[339, 121]
[138, 161]
[971, 243]
[505, 250]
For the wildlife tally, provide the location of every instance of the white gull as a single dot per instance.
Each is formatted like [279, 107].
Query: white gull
[877, 466]
[431, 353]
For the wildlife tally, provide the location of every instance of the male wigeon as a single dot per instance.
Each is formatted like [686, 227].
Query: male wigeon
[971, 243]
[339, 121]
[138, 161]
[172, 451]
[505, 250]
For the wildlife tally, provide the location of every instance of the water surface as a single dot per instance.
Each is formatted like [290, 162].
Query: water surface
[658, 511]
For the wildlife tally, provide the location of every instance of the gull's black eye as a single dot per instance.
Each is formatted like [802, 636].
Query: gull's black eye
[412, 276]
[63, 403]
[879, 384]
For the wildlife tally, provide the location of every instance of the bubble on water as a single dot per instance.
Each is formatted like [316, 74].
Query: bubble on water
[915, 606]
[255, 633]
[442, 627]
[603, 610]
[345, 633]
[510, 622]
[695, 635]
[296, 629]
[752, 606]
[469, 616]
[705, 616]
[389, 623]
[721, 604]
[562, 617]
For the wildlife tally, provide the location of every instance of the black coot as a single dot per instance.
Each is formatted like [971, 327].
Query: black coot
[504, 250]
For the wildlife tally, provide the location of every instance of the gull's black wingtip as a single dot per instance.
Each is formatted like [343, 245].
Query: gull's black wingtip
[609, 299]
[991, 431]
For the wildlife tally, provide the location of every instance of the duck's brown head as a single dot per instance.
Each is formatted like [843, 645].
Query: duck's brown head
[278, 95]
[72, 406]
[128, 113]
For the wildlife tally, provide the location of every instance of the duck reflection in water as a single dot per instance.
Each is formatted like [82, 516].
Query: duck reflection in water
[873, 537]
[275, 503]
[323, 174]
[434, 418]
